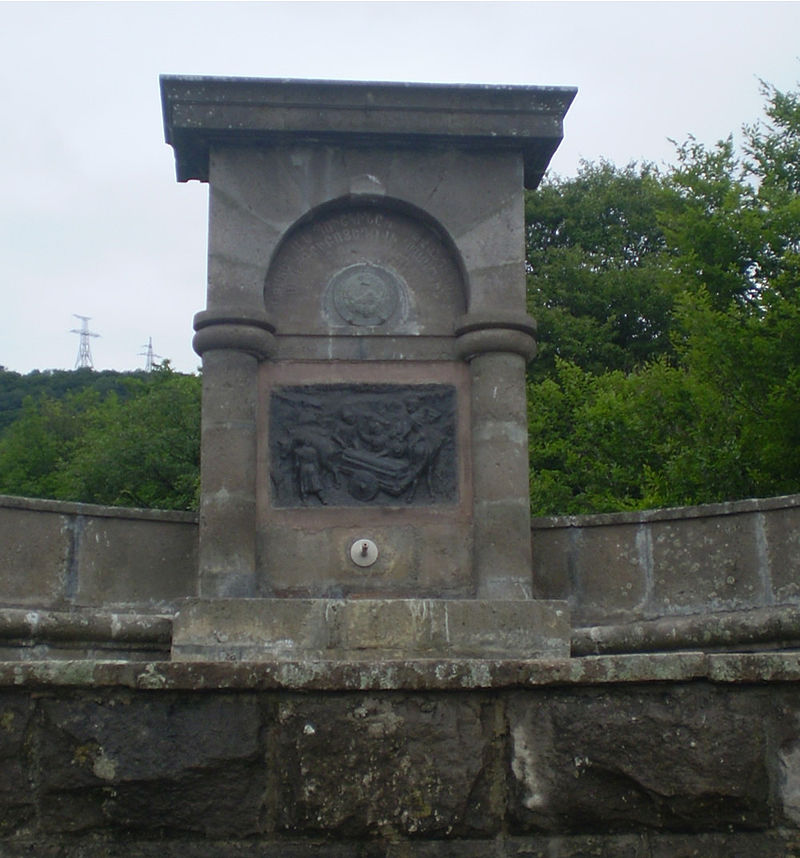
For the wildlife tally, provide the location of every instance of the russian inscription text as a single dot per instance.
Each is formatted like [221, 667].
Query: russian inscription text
[350, 270]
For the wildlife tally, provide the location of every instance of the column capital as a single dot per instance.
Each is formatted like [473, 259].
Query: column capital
[478, 333]
[238, 328]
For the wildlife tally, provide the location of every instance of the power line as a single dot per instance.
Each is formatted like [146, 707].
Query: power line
[84, 360]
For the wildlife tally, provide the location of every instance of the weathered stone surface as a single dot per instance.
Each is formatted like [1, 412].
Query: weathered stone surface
[787, 736]
[427, 558]
[367, 252]
[17, 803]
[558, 551]
[611, 577]
[37, 550]
[266, 629]
[411, 284]
[620, 567]
[124, 846]
[228, 498]
[733, 629]
[500, 472]
[362, 765]
[711, 564]
[624, 771]
[424, 549]
[624, 846]
[151, 763]
[672, 758]
[552, 562]
[56, 555]
[110, 565]
[781, 541]
[83, 634]
[523, 119]
[423, 674]
[774, 844]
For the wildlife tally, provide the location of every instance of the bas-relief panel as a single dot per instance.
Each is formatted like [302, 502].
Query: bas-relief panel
[357, 444]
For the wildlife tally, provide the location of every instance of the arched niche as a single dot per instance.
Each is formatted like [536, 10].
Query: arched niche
[365, 267]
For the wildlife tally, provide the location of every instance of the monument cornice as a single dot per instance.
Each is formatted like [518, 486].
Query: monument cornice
[202, 112]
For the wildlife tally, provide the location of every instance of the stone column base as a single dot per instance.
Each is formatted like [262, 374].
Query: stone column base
[333, 629]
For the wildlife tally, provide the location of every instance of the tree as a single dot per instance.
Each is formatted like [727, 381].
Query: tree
[628, 421]
[141, 452]
[140, 449]
[56, 384]
[596, 280]
[33, 447]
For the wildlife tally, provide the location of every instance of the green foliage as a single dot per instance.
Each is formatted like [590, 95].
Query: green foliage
[137, 449]
[710, 226]
[658, 437]
[33, 447]
[56, 384]
[701, 403]
[668, 303]
[596, 282]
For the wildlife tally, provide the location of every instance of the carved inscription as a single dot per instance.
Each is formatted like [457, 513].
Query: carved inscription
[376, 444]
[354, 269]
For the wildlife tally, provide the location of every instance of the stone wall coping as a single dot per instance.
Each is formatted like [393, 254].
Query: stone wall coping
[405, 675]
[96, 510]
[200, 112]
[85, 624]
[666, 514]
[537, 522]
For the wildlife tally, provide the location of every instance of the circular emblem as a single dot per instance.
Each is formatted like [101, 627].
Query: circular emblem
[365, 294]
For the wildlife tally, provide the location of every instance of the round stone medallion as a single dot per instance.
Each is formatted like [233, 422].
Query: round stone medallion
[364, 294]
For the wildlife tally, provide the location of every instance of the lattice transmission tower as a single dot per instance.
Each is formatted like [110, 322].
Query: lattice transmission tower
[149, 355]
[84, 360]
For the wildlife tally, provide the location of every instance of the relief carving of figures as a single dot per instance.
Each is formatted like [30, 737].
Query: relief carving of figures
[363, 444]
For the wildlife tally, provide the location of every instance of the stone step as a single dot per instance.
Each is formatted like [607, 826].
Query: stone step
[269, 629]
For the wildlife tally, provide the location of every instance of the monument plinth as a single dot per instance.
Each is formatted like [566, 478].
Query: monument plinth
[364, 349]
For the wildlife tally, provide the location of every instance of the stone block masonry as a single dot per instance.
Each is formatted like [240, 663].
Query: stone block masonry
[77, 579]
[59, 556]
[621, 568]
[268, 629]
[366, 246]
[647, 756]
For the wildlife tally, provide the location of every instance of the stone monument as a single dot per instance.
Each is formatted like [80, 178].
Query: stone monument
[364, 432]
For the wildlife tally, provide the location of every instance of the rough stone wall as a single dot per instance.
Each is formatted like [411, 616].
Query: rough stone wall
[637, 759]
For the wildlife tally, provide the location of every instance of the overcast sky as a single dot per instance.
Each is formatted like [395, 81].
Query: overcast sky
[93, 222]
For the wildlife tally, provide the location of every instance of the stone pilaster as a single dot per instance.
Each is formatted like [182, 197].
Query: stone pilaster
[498, 350]
[231, 343]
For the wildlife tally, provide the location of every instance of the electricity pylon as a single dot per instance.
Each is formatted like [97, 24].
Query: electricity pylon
[84, 360]
[149, 355]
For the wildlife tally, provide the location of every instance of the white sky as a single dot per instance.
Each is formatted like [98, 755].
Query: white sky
[93, 222]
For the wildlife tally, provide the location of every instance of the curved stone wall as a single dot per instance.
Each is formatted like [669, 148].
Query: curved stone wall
[628, 567]
[60, 556]
[618, 568]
